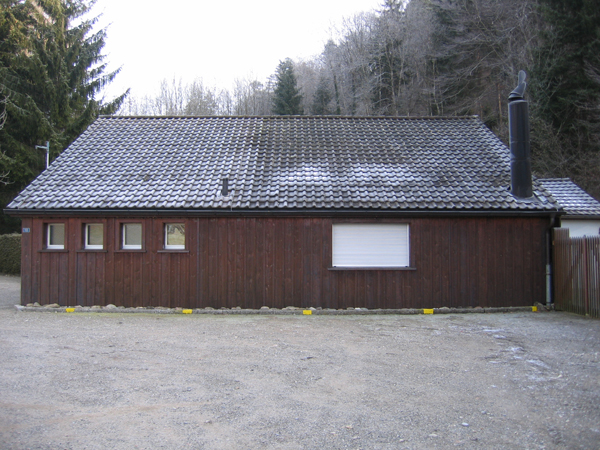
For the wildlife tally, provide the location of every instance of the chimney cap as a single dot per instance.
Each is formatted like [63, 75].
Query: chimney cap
[519, 91]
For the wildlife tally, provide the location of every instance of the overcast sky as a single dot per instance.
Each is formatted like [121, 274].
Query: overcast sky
[217, 40]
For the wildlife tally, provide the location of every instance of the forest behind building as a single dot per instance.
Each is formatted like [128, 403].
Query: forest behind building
[437, 58]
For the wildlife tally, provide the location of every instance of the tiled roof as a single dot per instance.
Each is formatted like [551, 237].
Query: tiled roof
[574, 200]
[297, 162]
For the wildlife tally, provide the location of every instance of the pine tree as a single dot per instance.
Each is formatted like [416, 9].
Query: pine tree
[3, 158]
[51, 71]
[322, 99]
[287, 98]
[565, 89]
[563, 80]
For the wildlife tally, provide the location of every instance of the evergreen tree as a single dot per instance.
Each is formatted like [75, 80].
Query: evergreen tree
[565, 82]
[565, 88]
[287, 98]
[51, 72]
[3, 158]
[322, 99]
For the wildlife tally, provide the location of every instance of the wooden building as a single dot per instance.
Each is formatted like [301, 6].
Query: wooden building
[581, 211]
[332, 212]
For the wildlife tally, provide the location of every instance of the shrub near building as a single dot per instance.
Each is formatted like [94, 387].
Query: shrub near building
[10, 253]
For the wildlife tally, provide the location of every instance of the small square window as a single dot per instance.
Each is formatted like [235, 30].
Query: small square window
[56, 236]
[132, 236]
[94, 236]
[174, 236]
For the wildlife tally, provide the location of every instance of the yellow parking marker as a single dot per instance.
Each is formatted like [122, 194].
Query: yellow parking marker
[534, 308]
[428, 311]
[70, 310]
[307, 312]
[186, 311]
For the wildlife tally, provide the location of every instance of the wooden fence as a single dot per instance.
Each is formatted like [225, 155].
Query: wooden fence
[576, 273]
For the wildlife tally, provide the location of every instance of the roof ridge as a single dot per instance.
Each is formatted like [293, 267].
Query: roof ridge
[555, 179]
[291, 117]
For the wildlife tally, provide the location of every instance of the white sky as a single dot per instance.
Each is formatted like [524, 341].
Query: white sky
[217, 41]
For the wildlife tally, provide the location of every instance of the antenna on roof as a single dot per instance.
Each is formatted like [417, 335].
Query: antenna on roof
[47, 148]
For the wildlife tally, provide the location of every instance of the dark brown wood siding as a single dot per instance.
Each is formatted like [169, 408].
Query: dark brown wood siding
[278, 262]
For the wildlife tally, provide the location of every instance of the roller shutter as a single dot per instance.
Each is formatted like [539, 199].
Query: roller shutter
[370, 245]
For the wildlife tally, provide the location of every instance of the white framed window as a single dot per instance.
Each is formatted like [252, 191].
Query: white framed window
[132, 236]
[370, 245]
[174, 236]
[94, 236]
[55, 239]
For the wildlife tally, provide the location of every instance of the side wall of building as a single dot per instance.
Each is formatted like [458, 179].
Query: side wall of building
[256, 261]
[580, 228]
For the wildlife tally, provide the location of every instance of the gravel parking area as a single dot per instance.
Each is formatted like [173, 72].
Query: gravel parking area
[10, 291]
[125, 381]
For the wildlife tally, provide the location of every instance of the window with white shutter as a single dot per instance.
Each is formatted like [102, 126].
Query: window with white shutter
[370, 245]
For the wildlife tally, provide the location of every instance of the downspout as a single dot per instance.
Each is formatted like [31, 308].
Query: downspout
[549, 262]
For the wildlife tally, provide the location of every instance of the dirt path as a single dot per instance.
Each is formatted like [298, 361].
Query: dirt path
[123, 381]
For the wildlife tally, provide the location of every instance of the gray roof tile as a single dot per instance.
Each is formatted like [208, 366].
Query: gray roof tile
[573, 200]
[281, 163]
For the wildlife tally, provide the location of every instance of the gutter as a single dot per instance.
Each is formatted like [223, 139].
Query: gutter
[581, 216]
[281, 213]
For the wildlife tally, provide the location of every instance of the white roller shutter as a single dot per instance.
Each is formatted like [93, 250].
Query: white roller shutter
[370, 245]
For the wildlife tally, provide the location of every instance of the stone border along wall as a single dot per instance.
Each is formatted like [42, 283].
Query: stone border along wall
[290, 310]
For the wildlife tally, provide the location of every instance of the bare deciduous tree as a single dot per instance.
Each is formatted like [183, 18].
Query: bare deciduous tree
[348, 64]
[480, 47]
[175, 98]
[252, 98]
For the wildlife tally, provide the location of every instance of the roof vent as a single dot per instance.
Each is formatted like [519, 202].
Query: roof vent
[520, 152]
[225, 188]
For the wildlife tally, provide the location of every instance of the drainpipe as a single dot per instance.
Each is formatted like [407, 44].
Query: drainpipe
[549, 263]
[548, 285]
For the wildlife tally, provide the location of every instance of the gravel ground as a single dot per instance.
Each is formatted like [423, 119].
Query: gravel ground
[126, 381]
[10, 291]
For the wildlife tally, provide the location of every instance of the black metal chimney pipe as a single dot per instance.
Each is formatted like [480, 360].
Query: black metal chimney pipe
[520, 152]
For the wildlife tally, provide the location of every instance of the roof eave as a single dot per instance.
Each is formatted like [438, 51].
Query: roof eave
[580, 216]
[285, 212]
